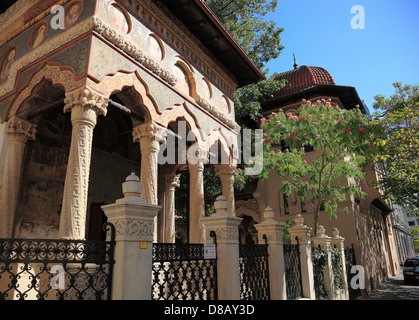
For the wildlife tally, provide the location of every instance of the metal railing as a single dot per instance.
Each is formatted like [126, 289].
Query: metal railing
[181, 272]
[49, 269]
[254, 271]
[292, 264]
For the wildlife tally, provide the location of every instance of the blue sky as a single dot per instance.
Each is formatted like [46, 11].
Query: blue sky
[319, 32]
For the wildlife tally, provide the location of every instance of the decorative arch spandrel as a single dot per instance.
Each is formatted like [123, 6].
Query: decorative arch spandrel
[116, 82]
[52, 71]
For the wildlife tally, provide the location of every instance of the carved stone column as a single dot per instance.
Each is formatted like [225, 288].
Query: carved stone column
[149, 135]
[85, 106]
[196, 202]
[227, 173]
[18, 132]
[172, 182]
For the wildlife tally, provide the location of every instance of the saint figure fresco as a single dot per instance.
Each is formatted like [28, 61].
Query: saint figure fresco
[7, 64]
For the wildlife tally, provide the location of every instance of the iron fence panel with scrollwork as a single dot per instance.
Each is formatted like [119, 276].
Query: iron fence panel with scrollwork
[181, 272]
[351, 261]
[319, 259]
[254, 272]
[294, 287]
[49, 269]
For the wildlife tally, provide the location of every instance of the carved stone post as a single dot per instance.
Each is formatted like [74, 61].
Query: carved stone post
[18, 132]
[172, 182]
[133, 219]
[338, 242]
[273, 231]
[225, 226]
[322, 240]
[85, 106]
[302, 233]
[149, 135]
[227, 173]
[196, 202]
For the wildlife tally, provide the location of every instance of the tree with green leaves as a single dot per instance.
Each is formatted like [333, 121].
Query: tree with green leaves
[327, 176]
[399, 159]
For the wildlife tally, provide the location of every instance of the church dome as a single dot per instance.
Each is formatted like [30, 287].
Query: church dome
[304, 77]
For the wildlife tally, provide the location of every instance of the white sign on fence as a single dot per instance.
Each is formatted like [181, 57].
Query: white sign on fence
[210, 251]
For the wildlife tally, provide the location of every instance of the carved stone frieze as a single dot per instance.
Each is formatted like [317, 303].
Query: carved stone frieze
[134, 51]
[214, 111]
[134, 229]
[225, 233]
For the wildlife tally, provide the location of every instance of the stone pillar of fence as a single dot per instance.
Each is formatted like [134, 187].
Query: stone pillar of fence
[338, 242]
[225, 226]
[273, 231]
[302, 233]
[133, 219]
[323, 241]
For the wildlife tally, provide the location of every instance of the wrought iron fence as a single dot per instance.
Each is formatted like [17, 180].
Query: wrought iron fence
[351, 261]
[319, 258]
[293, 280]
[46, 269]
[181, 272]
[254, 271]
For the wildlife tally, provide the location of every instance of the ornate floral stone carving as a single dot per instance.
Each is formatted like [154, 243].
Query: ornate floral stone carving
[119, 40]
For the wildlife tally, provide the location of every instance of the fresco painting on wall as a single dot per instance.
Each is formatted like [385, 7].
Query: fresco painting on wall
[6, 64]
[73, 13]
[38, 36]
[118, 19]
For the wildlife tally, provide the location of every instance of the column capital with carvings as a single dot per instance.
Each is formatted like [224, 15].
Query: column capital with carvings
[228, 169]
[19, 129]
[148, 132]
[172, 181]
[85, 105]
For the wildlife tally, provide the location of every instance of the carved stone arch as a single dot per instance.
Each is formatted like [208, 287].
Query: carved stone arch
[58, 76]
[244, 210]
[181, 110]
[219, 146]
[135, 87]
[247, 232]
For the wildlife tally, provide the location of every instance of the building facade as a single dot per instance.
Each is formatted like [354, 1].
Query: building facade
[93, 90]
[368, 226]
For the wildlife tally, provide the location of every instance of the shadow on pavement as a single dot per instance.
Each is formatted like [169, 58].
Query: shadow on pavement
[394, 289]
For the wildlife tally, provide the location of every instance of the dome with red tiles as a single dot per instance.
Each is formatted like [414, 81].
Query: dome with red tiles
[304, 77]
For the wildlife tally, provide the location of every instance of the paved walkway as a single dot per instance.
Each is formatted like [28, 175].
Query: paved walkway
[394, 289]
